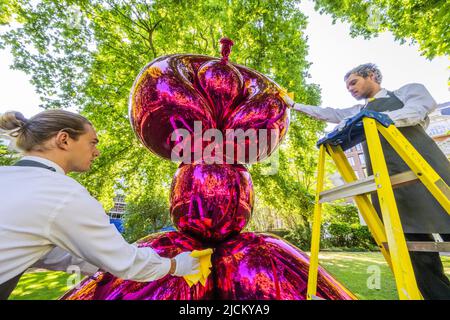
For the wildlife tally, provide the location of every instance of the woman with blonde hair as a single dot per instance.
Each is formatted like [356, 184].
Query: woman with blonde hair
[48, 219]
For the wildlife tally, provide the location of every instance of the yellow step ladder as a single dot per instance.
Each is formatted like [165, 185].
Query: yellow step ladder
[388, 236]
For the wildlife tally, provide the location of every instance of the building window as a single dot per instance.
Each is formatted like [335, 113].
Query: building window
[119, 207]
[351, 160]
[362, 159]
[358, 147]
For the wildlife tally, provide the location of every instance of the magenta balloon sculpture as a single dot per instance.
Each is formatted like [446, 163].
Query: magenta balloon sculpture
[176, 99]
[257, 266]
[188, 106]
[211, 202]
[104, 286]
[249, 266]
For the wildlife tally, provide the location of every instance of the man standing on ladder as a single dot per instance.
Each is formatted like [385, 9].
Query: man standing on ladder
[420, 213]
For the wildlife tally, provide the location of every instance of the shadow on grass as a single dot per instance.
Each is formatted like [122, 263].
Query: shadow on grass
[357, 271]
[41, 286]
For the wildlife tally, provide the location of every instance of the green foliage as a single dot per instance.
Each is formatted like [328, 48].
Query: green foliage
[342, 234]
[86, 55]
[343, 230]
[300, 236]
[148, 215]
[425, 21]
[43, 285]
[7, 157]
[362, 237]
[5, 11]
[341, 212]
[340, 230]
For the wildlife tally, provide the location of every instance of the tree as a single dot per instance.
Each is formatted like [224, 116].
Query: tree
[341, 212]
[425, 21]
[5, 11]
[148, 215]
[6, 157]
[86, 54]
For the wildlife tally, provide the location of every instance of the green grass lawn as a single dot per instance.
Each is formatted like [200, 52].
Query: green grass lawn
[352, 269]
[355, 269]
[42, 285]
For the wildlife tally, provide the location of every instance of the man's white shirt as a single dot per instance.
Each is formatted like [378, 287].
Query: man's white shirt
[49, 220]
[418, 103]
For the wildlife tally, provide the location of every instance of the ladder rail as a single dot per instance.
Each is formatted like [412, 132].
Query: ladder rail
[401, 262]
[389, 235]
[366, 185]
[315, 236]
[427, 175]
[363, 202]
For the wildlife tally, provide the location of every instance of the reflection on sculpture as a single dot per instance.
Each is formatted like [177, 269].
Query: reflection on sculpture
[177, 103]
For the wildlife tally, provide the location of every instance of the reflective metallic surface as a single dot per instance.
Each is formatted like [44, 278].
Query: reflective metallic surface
[247, 266]
[172, 92]
[211, 202]
[262, 111]
[262, 266]
[104, 286]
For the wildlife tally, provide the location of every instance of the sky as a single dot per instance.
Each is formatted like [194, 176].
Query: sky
[331, 50]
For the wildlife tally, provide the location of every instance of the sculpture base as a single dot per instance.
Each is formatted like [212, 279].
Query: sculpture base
[249, 266]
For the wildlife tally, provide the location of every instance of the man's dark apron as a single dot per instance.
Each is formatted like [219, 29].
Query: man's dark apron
[418, 209]
[7, 287]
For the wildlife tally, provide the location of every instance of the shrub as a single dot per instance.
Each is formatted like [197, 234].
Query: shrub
[355, 236]
[361, 237]
[340, 234]
[300, 236]
[148, 215]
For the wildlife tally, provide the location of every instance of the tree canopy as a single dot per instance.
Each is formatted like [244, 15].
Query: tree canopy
[86, 55]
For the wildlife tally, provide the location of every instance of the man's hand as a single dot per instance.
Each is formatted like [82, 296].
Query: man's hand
[292, 104]
[287, 99]
[185, 264]
[341, 125]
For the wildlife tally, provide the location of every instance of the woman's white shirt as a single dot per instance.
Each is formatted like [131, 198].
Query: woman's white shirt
[41, 210]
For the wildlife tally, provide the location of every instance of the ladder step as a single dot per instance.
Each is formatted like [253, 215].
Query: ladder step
[425, 246]
[363, 186]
